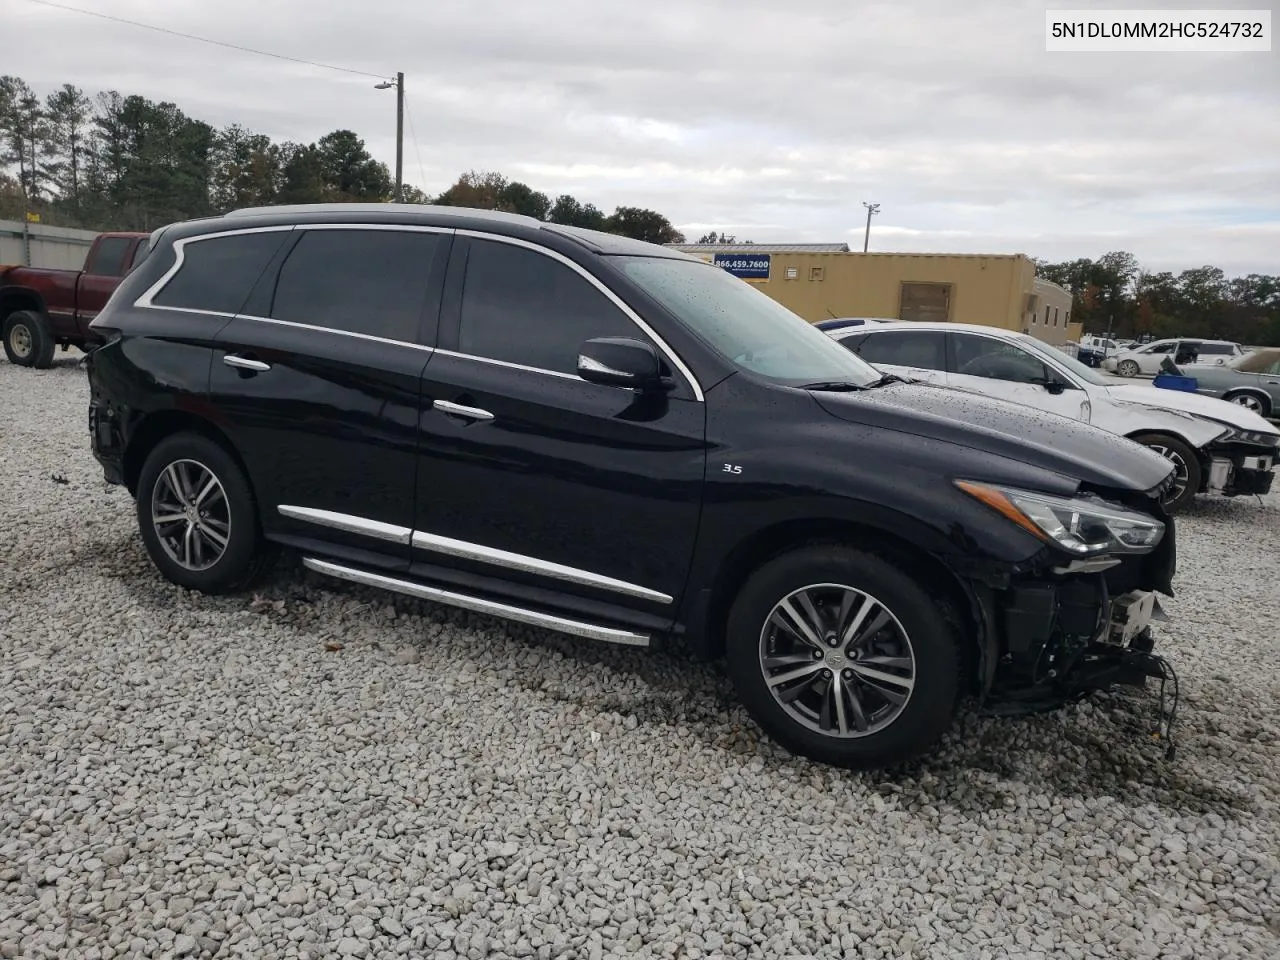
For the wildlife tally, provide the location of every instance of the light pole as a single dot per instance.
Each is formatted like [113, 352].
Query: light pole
[872, 208]
[398, 83]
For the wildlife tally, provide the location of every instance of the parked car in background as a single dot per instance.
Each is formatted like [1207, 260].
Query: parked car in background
[41, 309]
[1215, 446]
[1253, 381]
[615, 440]
[1146, 359]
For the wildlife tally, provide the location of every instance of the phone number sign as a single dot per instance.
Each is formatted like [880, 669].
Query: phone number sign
[753, 266]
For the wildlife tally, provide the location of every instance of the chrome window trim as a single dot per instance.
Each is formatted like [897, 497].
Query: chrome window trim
[507, 363]
[461, 549]
[180, 256]
[599, 285]
[577, 628]
[348, 523]
[341, 333]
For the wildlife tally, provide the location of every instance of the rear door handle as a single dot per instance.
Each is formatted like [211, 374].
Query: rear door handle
[458, 410]
[244, 363]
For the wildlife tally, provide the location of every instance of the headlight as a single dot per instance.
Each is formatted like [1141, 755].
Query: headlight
[1080, 525]
[1255, 437]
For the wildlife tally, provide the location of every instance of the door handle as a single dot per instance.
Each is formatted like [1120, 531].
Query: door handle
[244, 363]
[458, 410]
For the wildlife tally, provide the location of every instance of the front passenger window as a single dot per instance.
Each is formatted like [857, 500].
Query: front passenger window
[523, 307]
[996, 360]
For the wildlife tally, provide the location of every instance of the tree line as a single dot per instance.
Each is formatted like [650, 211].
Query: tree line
[115, 162]
[1115, 293]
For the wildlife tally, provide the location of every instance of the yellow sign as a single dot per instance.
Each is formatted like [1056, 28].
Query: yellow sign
[33, 217]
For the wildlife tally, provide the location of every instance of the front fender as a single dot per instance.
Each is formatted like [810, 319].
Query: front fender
[1129, 420]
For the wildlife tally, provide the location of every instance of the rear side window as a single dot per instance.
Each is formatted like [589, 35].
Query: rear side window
[906, 348]
[1222, 349]
[108, 258]
[371, 282]
[524, 307]
[217, 274]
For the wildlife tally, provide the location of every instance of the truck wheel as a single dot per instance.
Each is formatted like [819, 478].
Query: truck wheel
[27, 341]
[843, 657]
[198, 518]
[1188, 473]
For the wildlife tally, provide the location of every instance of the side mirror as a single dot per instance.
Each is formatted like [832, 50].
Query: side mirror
[621, 362]
[1054, 386]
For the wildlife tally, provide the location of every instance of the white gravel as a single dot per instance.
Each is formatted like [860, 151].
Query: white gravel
[183, 776]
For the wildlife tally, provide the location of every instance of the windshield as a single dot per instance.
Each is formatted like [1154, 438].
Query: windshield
[1065, 360]
[745, 326]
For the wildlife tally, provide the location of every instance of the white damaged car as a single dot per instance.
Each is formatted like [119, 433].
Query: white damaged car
[1217, 447]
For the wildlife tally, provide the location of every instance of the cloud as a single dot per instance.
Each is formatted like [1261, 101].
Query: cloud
[772, 121]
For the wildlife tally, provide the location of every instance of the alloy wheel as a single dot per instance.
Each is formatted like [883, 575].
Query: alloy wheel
[1181, 472]
[837, 660]
[1128, 369]
[1248, 401]
[191, 514]
[20, 340]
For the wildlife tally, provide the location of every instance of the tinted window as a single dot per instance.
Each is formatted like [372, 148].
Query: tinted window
[524, 307]
[1222, 349]
[217, 274]
[362, 281]
[1160, 348]
[905, 348]
[974, 356]
[108, 259]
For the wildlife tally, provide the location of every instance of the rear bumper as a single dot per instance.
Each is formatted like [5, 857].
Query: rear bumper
[106, 442]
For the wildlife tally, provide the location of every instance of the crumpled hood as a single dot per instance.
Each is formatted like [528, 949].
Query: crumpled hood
[1210, 408]
[1045, 440]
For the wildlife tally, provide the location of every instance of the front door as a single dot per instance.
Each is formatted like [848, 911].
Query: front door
[531, 476]
[317, 380]
[997, 368]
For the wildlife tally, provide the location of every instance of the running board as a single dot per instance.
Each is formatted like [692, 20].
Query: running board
[577, 628]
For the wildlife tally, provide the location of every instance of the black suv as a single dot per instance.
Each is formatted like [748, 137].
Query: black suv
[612, 439]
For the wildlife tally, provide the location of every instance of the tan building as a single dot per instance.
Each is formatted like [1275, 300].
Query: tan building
[822, 281]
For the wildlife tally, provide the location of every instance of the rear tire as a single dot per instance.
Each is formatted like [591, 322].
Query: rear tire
[1185, 461]
[882, 684]
[27, 340]
[198, 517]
[1128, 368]
[1250, 401]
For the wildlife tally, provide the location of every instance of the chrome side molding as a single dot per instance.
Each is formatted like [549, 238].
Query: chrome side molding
[433, 543]
[577, 628]
[515, 561]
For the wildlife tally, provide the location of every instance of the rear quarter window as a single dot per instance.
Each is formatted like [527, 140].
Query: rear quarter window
[217, 273]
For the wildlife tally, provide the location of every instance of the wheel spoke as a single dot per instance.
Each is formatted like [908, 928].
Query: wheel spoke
[210, 486]
[213, 537]
[860, 631]
[812, 618]
[794, 624]
[807, 670]
[859, 715]
[188, 540]
[898, 663]
[837, 695]
[778, 661]
[872, 675]
[160, 518]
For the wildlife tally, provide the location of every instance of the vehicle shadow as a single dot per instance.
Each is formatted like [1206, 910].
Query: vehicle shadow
[1099, 748]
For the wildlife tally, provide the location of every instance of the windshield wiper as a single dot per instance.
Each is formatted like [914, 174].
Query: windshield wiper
[886, 379]
[833, 385]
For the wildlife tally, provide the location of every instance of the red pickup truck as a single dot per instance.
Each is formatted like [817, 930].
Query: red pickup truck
[43, 309]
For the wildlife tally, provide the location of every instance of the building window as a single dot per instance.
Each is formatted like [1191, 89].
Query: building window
[926, 302]
[1067, 319]
[815, 273]
[793, 273]
[1055, 316]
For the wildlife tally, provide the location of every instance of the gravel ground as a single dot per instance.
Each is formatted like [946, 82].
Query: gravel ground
[327, 772]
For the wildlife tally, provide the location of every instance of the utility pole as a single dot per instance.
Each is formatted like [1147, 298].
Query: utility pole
[398, 84]
[872, 208]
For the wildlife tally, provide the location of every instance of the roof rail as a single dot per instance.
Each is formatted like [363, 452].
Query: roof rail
[298, 208]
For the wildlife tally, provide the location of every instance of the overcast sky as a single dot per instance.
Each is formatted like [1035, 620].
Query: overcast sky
[768, 119]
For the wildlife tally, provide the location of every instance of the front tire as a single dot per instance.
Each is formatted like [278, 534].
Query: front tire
[1188, 472]
[27, 340]
[1128, 368]
[197, 516]
[843, 658]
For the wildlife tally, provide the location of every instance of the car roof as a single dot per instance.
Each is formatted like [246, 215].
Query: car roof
[935, 325]
[839, 323]
[460, 218]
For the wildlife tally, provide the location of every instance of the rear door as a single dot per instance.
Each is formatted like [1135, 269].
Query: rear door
[918, 354]
[316, 382]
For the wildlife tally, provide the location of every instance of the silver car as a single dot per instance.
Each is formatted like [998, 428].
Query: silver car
[1252, 381]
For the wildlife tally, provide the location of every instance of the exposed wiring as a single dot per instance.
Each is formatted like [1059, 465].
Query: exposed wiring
[192, 36]
[1164, 728]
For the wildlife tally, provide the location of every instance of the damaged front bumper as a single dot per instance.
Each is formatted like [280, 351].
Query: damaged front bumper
[1238, 469]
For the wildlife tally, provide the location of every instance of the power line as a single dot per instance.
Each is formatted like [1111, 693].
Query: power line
[191, 36]
[413, 134]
